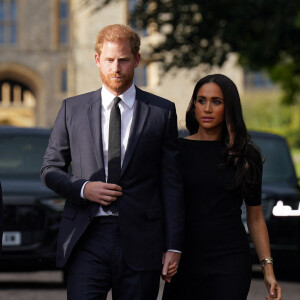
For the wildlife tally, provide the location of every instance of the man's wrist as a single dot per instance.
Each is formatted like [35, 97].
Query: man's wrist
[82, 189]
[174, 250]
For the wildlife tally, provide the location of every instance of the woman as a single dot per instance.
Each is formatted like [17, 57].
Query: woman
[221, 169]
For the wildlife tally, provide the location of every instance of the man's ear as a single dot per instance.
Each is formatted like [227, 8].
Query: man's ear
[97, 59]
[137, 59]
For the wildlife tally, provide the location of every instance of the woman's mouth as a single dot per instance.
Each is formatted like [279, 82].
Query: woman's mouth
[207, 119]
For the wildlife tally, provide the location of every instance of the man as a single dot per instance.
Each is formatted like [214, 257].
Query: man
[117, 221]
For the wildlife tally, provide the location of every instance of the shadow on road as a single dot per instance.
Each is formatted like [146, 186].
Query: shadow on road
[32, 285]
[51, 280]
[287, 275]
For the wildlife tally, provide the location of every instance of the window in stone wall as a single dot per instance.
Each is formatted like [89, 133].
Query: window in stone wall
[15, 94]
[8, 22]
[63, 22]
[17, 104]
[133, 21]
[140, 75]
[257, 80]
[63, 80]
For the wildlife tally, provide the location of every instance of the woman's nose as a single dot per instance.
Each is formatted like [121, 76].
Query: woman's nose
[207, 107]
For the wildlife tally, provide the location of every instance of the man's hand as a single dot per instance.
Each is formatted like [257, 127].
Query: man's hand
[101, 192]
[170, 265]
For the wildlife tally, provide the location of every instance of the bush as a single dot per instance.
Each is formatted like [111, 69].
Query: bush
[263, 111]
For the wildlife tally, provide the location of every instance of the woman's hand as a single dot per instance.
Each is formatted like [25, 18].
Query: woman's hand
[259, 235]
[274, 289]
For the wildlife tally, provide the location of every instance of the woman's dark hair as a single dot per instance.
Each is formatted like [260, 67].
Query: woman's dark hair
[239, 150]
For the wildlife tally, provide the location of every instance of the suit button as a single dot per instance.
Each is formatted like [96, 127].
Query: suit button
[90, 218]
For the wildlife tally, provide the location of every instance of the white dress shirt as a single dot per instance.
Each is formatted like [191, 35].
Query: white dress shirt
[126, 109]
[126, 106]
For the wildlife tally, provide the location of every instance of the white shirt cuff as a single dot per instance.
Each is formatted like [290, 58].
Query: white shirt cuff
[173, 250]
[81, 192]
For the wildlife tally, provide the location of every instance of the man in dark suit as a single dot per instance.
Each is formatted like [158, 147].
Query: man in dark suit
[115, 233]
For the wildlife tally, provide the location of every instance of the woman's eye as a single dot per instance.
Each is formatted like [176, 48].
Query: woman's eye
[201, 101]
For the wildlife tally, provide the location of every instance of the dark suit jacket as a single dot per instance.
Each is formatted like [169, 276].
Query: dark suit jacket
[151, 212]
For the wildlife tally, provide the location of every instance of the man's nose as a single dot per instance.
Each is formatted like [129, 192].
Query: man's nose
[116, 66]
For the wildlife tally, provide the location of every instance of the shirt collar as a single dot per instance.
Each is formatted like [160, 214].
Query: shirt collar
[128, 97]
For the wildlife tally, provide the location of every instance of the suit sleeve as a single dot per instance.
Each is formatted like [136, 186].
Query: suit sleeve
[171, 185]
[57, 159]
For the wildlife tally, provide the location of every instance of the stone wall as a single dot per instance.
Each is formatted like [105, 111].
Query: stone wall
[37, 59]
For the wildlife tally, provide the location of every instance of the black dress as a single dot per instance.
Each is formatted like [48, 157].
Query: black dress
[216, 260]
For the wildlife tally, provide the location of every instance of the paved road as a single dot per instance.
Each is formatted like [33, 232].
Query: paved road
[48, 286]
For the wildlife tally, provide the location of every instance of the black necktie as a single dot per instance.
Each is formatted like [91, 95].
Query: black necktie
[114, 149]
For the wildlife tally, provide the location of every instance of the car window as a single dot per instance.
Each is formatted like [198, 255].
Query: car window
[278, 166]
[22, 155]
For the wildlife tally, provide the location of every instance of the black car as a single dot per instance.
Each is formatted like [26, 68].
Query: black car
[31, 212]
[280, 199]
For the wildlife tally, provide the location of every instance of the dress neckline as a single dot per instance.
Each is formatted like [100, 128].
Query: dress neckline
[201, 141]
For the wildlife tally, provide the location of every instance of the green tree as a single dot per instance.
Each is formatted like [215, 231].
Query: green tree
[265, 34]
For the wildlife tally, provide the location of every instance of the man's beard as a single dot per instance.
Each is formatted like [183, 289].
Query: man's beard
[117, 85]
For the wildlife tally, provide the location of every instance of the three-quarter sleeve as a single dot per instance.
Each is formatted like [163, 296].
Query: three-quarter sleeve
[252, 194]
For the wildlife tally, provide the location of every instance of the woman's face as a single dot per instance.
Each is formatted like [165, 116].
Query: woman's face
[209, 108]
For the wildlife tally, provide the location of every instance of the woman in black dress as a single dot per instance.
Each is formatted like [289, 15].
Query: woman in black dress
[221, 169]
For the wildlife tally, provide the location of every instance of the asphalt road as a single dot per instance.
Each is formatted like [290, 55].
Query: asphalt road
[48, 286]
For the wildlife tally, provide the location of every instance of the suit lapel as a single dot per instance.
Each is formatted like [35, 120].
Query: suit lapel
[139, 117]
[94, 120]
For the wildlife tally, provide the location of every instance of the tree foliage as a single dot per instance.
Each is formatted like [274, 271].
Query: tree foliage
[265, 34]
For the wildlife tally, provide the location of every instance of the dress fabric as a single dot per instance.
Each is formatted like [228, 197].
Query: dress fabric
[216, 257]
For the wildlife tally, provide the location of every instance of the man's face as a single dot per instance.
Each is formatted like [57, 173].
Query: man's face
[117, 64]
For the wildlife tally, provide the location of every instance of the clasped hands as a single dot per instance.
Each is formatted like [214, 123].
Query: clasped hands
[105, 194]
[170, 265]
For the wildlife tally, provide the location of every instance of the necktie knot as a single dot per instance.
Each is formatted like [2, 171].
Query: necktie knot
[117, 101]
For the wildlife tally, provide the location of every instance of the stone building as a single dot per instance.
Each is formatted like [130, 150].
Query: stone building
[47, 54]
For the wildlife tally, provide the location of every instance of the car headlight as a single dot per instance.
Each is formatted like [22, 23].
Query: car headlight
[281, 210]
[56, 204]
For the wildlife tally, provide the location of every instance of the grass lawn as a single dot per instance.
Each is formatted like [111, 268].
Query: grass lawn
[296, 159]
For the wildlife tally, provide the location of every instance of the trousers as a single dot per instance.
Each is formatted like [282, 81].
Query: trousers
[97, 266]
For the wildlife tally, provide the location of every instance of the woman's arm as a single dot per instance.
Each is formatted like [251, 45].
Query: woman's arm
[260, 238]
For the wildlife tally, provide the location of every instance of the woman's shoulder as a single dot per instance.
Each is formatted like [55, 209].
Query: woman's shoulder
[254, 153]
[253, 149]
